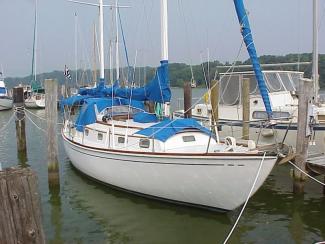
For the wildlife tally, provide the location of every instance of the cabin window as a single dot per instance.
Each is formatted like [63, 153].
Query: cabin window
[121, 140]
[100, 136]
[86, 132]
[199, 110]
[188, 138]
[209, 111]
[144, 143]
[275, 115]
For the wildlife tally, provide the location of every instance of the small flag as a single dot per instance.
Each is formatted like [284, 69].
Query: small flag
[67, 72]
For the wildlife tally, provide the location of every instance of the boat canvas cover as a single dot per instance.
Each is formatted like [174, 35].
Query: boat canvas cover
[249, 42]
[145, 118]
[88, 115]
[157, 90]
[167, 128]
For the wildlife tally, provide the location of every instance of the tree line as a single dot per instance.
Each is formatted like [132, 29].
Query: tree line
[180, 72]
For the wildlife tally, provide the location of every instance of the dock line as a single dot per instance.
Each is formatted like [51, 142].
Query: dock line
[248, 197]
[306, 173]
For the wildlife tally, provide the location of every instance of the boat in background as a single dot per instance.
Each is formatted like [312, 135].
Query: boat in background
[282, 87]
[5, 100]
[34, 94]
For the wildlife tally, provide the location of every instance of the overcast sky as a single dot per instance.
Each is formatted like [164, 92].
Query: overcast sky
[279, 27]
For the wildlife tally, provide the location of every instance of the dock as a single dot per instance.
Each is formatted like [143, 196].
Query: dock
[316, 163]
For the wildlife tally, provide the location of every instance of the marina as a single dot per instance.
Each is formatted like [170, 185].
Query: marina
[80, 209]
[231, 156]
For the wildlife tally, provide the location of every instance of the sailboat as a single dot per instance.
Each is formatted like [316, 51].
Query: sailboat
[115, 140]
[35, 93]
[5, 100]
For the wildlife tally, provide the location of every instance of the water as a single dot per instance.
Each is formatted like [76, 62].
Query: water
[83, 211]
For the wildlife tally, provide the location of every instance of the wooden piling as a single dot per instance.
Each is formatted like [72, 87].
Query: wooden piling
[215, 93]
[51, 88]
[246, 107]
[303, 133]
[20, 211]
[187, 100]
[19, 102]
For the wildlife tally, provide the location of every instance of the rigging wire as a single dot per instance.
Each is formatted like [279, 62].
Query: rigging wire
[124, 43]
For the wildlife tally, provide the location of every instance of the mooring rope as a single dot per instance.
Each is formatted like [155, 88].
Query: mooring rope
[302, 171]
[8, 123]
[39, 117]
[19, 110]
[248, 197]
[38, 127]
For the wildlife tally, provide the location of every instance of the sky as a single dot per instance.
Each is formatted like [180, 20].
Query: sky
[198, 31]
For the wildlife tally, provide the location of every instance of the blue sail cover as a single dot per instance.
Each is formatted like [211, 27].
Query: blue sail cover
[248, 39]
[168, 128]
[157, 90]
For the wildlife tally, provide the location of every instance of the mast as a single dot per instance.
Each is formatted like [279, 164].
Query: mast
[76, 45]
[164, 30]
[315, 75]
[94, 60]
[117, 58]
[34, 45]
[111, 63]
[101, 30]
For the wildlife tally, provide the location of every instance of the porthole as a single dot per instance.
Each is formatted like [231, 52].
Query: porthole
[121, 140]
[100, 136]
[144, 143]
[188, 138]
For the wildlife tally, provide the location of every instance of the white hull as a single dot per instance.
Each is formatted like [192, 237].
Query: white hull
[5, 104]
[221, 182]
[32, 102]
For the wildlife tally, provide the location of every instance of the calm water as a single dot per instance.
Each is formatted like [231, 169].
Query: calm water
[83, 211]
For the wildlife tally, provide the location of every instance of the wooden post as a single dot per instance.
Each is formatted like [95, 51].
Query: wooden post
[150, 106]
[19, 102]
[215, 92]
[20, 211]
[51, 88]
[246, 107]
[303, 134]
[187, 100]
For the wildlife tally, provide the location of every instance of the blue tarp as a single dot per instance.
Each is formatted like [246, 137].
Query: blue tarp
[168, 128]
[145, 118]
[248, 39]
[87, 113]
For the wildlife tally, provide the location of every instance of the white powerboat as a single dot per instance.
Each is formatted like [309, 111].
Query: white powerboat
[5, 100]
[282, 87]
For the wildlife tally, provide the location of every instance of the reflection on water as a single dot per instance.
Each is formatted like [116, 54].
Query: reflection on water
[128, 218]
[83, 211]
